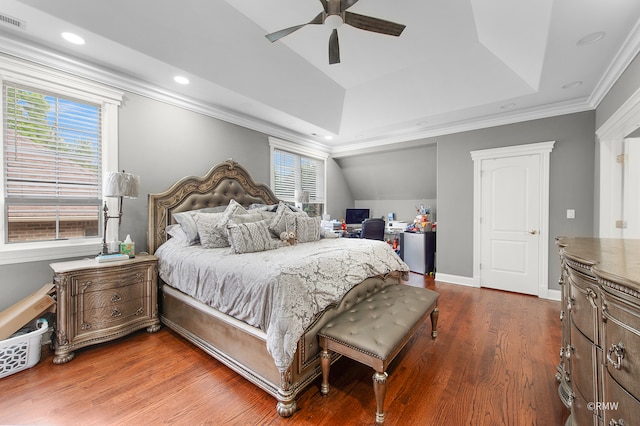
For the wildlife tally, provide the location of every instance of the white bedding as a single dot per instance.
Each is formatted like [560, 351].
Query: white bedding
[278, 291]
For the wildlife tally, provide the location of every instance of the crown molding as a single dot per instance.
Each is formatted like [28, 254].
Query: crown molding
[623, 58]
[46, 57]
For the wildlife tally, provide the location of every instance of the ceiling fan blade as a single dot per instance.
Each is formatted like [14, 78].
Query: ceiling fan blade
[325, 6]
[376, 25]
[277, 35]
[346, 4]
[334, 48]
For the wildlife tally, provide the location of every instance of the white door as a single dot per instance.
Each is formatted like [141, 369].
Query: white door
[510, 223]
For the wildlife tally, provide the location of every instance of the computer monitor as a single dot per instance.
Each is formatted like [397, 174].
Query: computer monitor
[356, 216]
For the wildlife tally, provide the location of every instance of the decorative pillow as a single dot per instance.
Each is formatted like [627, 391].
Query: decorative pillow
[307, 228]
[213, 231]
[245, 218]
[188, 223]
[251, 237]
[177, 233]
[283, 220]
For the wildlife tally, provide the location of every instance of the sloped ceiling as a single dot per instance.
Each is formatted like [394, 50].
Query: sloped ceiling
[458, 64]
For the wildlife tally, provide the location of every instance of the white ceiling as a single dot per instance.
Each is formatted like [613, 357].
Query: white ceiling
[458, 65]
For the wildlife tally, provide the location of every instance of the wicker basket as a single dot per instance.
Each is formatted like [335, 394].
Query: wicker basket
[20, 352]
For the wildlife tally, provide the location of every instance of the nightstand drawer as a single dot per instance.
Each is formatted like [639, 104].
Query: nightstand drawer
[90, 300]
[90, 282]
[111, 315]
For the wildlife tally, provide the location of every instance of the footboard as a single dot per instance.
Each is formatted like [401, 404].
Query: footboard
[243, 348]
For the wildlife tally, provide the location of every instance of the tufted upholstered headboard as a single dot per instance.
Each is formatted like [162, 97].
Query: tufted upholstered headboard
[225, 181]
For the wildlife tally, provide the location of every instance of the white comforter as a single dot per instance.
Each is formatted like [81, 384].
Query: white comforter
[278, 291]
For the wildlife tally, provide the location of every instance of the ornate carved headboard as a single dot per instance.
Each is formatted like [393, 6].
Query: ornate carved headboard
[225, 181]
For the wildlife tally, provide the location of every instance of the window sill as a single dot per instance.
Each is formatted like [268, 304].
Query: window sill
[23, 253]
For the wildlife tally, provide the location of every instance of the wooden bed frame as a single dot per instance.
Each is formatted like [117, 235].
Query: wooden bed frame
[234, 343]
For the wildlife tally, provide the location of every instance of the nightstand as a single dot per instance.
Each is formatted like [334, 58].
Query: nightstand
[99, 302]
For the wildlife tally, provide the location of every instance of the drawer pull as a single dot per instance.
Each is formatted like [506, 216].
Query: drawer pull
[618, 352]
[571, 300]
[567, 351]
[116, 298]
[619, 422]
[116, 313]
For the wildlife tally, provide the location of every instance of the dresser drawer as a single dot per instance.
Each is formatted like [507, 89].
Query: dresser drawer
[583, 305]
[618, 406]
[108, 316]
[583, 364]
[621, 342]
[581, 412]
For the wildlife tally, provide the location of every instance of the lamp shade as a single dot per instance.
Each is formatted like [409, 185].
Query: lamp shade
[121, 184]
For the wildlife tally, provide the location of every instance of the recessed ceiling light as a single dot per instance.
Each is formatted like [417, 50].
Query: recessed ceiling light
[180, 79]
[572, 85]
[328, 137]
[591, 38]
[73, 38]
[507, 106]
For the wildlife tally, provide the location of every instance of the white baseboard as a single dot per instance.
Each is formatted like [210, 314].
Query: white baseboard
[552, 294]
[456, 279]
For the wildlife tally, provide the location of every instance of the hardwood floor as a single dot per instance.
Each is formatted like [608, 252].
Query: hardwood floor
[493, 363]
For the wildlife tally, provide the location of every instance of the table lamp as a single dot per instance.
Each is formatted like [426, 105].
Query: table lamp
[121, 185]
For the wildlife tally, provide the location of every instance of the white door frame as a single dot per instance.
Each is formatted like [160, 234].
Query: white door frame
[609, 141]
[544, 150]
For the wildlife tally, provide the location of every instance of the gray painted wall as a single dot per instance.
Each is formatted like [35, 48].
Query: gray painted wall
[446, 162]
[626, 85]
[571, 184]
[393, 181]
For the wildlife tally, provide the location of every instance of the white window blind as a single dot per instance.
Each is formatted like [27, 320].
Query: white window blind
[52, 165]
[294, 174]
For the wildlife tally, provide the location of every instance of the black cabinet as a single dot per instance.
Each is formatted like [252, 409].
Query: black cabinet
[418, 250]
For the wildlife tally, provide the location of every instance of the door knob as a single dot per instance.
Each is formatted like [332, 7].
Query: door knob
[533, 231]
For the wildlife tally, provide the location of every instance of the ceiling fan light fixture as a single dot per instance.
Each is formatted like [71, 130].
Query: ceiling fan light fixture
[333, 21]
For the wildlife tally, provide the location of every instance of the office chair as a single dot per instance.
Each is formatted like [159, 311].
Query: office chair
[373, 229]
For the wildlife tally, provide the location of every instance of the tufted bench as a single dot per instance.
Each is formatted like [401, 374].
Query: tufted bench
[375, 330]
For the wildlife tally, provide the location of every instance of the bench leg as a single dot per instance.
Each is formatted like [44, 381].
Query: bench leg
[325, 362]
[380, 390]
[434, 322]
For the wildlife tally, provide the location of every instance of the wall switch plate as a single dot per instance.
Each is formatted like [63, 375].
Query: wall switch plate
[571, 214]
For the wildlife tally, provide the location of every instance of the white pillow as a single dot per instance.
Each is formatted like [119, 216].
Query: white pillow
[177, 234]
[213, 230]
[283, 220]
[307, 229]
[251, 237]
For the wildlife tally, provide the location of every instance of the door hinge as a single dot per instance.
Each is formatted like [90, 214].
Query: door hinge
[621, 224]
[621, 159]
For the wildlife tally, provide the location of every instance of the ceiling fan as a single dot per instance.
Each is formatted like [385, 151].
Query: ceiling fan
[335, 13]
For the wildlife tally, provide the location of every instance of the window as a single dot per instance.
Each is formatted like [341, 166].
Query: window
[52, 166]
[58, 137]
[298, 176]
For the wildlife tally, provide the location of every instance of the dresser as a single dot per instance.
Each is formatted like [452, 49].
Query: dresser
[599, 369]
[98, 302]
